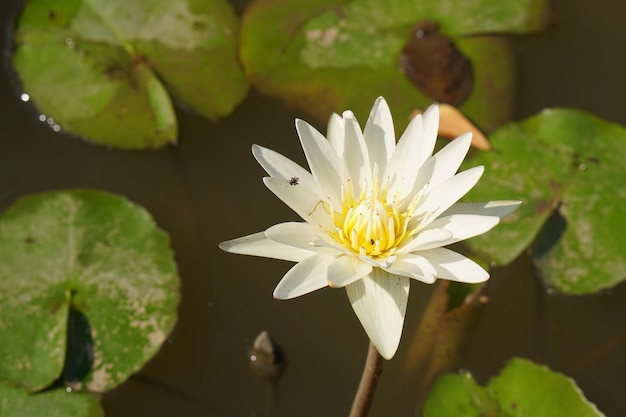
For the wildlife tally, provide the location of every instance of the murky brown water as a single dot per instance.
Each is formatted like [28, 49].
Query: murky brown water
[208, 189]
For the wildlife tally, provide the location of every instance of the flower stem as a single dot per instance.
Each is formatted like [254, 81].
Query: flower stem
[367, 386]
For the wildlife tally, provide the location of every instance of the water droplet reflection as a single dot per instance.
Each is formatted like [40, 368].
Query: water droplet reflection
[50, 122]
[24, 97]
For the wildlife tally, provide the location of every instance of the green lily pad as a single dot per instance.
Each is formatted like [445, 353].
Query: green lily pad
[95, 253]
[459, 395]
[324, 56]
[567, 168]
[523, 389]
[106, 70]
[15, 402]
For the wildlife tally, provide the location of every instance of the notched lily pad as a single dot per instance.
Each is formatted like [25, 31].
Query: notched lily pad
[19, 403]
[519, 391]
[323, 56]
[106, 70]
[567, 167]
[94, 253]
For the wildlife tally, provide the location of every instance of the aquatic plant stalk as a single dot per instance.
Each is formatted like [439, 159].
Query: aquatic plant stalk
[367, 386]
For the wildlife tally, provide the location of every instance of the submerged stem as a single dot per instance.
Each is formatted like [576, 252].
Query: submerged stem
[367, 386]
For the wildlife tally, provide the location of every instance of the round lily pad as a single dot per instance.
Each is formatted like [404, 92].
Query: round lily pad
[109, 70]
[93, 253]
[324, 56]
[523, 389]
[15, 402]
[567, 168]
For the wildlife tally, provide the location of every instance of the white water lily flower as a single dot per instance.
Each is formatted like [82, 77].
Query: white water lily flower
[376, 214]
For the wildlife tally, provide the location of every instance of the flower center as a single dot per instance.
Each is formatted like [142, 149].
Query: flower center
[370, 225]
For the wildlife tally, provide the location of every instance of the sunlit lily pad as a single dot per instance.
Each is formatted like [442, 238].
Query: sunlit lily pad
[15, 402]
[568, 168]
[108, 70]
[323, 56]
[523, 389]
[95, 253]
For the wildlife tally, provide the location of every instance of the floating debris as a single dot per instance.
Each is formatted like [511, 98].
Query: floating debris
[267, 359]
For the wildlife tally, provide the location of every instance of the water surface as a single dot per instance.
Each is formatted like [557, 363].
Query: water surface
[208, 189]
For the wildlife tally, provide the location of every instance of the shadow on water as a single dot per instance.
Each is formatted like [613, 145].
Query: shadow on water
[208, 189]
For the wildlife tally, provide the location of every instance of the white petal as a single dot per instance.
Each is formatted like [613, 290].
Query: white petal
[324, 243]
[383, 263]
[260, 245]
[500, 209]
[301, 199]
[379, 135]
[299, 235]
[345, 270]
[280, 166]
[462, 226]
[424, 135]
[402, 167]
[450, 157]
[444, 164]
[414, 147]
[427, 239]
[454, 266]
[439, 199]
[379, 301]
[355, 155]
[325, 164]
[414, 266]
[306, 276]
[335, 133]
[431, 127]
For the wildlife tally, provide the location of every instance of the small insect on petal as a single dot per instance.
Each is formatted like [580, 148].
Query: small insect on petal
[294, 181]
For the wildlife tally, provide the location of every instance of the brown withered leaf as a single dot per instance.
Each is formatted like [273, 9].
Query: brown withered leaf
[435, 66]
[442, 334]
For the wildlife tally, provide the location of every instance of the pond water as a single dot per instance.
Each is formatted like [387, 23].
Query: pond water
[208, 189]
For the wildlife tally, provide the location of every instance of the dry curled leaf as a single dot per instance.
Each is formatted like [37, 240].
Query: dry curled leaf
[453, 123]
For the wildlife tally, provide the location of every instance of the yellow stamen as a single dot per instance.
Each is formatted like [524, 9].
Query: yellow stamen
[372, 226]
